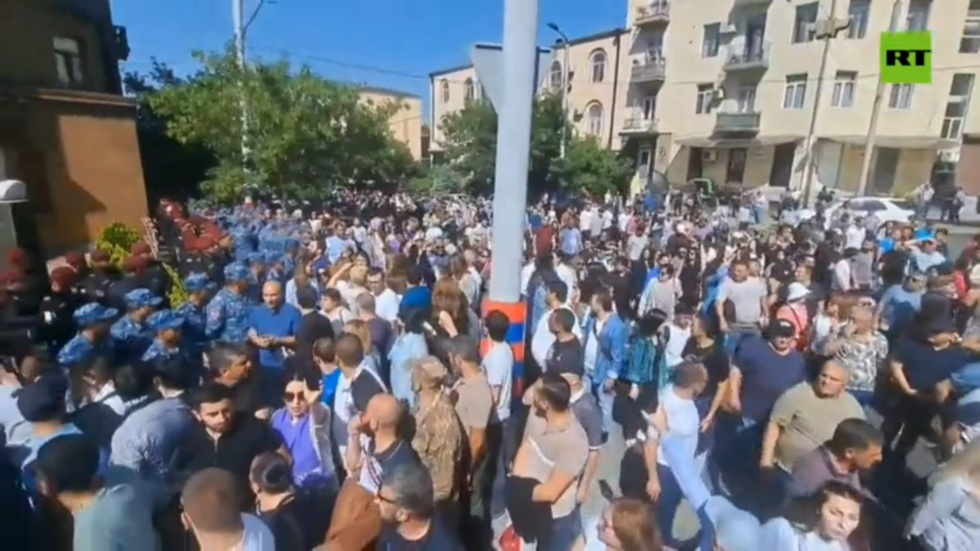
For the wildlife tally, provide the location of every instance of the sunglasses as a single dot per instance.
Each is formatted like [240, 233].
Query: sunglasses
[291, 397]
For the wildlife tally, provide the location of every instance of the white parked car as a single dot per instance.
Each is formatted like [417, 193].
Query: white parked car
[886, 209]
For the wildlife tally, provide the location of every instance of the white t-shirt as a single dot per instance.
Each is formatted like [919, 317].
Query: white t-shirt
[526, 272]
[343, 400]
[855, 237]
[386, 305]
[592, 346]
[256, 536]
[683, 423]
[498, 364]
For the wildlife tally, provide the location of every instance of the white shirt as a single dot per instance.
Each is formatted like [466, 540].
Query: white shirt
[498, 364]
[842, 275]
[568, 276]
[256, 536]
[543, 337]
[683, 424]
[343, 401]
[674, 349]
[585, 220]
[592, 347]
[386, 305]
[526, 272]
[855, 237]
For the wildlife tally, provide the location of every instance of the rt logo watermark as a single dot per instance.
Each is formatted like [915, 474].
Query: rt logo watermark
[906, 58]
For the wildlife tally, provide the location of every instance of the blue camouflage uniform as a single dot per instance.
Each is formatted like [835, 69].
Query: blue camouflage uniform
[131, 337]
[227, 313]
[80, 348]
[160, 321]
[194, 316]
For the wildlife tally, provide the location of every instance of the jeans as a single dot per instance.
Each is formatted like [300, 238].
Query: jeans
[562, 533]
[502, 442]
[603, 399]
[736, 333]
[667, 504]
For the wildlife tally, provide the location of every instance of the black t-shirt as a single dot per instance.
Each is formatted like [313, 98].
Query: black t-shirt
[924, 365]
[233, 451]
[566, 357]
[436, 539]
[716, 363]
[299, 522]
[312, 327]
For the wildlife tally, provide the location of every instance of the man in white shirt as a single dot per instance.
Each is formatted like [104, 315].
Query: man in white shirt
[843, 281]
[566, 272]
[386, 301]
[543, 338]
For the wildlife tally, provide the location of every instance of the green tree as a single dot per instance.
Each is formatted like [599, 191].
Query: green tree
[591, 168]
[436, 180]
[303, 133]
[470, 143]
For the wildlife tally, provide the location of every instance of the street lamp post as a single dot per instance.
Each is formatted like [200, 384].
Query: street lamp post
[564, 88]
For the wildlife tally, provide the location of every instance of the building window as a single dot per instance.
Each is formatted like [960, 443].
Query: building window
[709, 44]
[735, 170]
[844, 89]
[594, 116]
[959, 99]
[706, 95]
[970, 43]
[445, 90]
[917, 18]
[746, 99]
[555, 76]
[598, 66]
[901, 96]
[805, 26]
[468, 90]
[857, 12]
[795, 95]
[68, 60]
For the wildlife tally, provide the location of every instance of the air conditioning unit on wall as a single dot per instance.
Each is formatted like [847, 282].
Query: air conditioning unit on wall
[709, 155]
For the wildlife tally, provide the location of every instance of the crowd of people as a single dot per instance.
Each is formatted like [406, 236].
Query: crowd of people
[330, 379]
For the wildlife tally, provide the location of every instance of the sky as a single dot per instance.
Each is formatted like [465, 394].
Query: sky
[385, 43]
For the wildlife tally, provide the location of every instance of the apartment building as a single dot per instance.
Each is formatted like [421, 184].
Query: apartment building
[727, 90]
[406, 123]
[597, 86]
[66, 131]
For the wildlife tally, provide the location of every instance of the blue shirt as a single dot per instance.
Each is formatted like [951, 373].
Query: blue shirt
[899, 305]
[282, 322]
[924, 366]
[571, 241]
[766, 374]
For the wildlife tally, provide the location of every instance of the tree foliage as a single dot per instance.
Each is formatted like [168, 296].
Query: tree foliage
[470, 140]
[302, 134]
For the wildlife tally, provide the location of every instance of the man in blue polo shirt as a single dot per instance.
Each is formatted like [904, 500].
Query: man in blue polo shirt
[272, 327]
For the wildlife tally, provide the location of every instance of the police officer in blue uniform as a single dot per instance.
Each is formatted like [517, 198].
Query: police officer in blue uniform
[129, 333]
[227, 313]
[192, 311]
[92, 340]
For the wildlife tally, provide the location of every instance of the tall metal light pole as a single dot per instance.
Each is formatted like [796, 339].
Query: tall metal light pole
[564, 87]
[869, 143]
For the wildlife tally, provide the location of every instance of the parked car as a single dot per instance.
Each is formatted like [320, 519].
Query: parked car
[887, 209]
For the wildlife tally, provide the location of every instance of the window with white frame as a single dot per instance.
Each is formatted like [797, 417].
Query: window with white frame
[594, 119]
[598, 66]
[710, 40]
[445, 90]
[746, 99]
[857, 12]
[901, 96]
[706, 98]
[843, 96]
[555, 76]
[917, 17]
[794, 97]
[68, 61]
[970, 43]
[468, 90]
[959, 100]
[805, 25]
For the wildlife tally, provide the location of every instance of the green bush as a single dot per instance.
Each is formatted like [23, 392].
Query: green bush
[117, 239]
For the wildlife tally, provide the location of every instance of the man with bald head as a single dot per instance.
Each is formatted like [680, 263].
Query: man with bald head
[272, 327]
[374, 450]
[806, 416]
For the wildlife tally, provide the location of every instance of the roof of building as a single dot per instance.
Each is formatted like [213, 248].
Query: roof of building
[385, 91]
[602, 35]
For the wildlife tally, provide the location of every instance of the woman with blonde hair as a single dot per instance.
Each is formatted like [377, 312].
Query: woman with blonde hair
[628, 525]
[459, 269]
[359, 329]
[949, 518]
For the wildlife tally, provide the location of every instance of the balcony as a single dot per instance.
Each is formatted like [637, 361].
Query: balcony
[649, 70]
[748, 58]
[654, 13]
[748, 3]
[636, 125]
[737, 123]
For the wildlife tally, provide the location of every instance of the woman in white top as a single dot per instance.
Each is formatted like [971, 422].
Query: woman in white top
[949, 518]
[825, 521]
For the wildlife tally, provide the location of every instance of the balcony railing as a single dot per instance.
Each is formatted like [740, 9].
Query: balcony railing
[744, 123]
[636, 124]
[744, 3]
[650, 69]
[652, 13]
[753, 56]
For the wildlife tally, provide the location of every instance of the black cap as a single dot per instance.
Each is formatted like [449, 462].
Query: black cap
[780, 328]
[44, 399]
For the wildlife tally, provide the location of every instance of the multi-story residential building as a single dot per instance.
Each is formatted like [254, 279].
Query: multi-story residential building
[406, 122]
[742, 78]
[727, 89]
[66, 131]
[597, 66]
